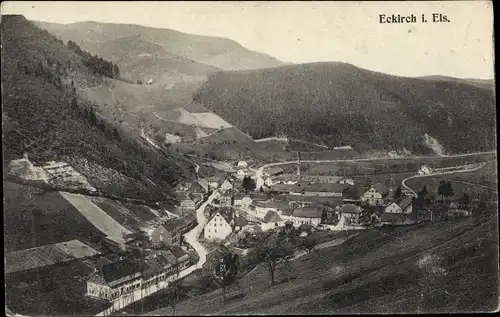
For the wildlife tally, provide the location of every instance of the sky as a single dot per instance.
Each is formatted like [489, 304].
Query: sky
[303, 32]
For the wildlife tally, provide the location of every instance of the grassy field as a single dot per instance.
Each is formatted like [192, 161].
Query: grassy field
[445, 267]
[33, 219]
[472, 183]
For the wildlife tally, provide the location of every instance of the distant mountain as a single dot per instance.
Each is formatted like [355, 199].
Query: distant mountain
[45, 116]
[339, 104]
[109, 39]
[481, 83]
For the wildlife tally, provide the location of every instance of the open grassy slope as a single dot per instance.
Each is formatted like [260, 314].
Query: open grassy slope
[34, 219]
[339, 104]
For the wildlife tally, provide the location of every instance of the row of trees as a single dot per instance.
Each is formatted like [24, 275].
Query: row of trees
[97, 64]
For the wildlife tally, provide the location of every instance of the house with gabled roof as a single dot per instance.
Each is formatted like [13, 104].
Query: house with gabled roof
[220, 225]
[351, 213]
[375, 195]
[115, 279]
[304, 215]
[401, 206]
[226, 185]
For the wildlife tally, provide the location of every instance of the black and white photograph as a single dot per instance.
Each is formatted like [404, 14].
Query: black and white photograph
[171, 158]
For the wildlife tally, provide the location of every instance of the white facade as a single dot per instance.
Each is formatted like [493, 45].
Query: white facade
[372, 197]
[424, 170]
[101, 289]
[242, 164]
[246, 202]
[226, 185]
[393, 209]
[217, 229]
[268, 182]
[297, 221]
[241, 174]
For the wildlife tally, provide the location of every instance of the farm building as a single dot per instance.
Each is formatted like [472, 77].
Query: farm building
[115, 279]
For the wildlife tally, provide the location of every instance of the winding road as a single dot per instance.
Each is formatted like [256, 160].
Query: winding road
[260, 180]
[403, 183]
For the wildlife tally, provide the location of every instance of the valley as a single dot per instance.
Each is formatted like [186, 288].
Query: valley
[149, 171]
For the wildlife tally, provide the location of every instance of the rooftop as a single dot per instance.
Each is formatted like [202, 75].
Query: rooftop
[308, 212]
[350, 209]
[47, 255]
[120, 269]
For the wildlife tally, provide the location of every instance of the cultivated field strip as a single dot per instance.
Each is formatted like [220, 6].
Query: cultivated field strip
[97, 217]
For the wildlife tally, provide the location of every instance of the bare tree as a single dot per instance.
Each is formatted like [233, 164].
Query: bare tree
[173, 291]
[224, 269]
[272, 248]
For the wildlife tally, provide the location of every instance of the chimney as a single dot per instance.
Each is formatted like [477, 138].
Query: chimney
[298, 163]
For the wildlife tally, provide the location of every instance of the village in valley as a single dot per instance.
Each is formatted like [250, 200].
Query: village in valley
[154, 171]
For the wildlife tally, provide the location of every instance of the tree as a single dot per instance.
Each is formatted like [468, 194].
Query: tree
[271, 249]
[351, 192]
[398, 192]
[248, 184]
[173, 291]
[441, 189]
[308, 244]
[116, 71]
[223, 269]
[448, 190]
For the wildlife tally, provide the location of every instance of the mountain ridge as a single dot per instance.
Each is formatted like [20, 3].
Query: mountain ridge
[335, 103]
[191, 46]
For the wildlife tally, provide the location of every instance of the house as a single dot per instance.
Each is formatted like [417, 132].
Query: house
[170, 232]
[198, 188]
[241, 173]
[213, 182]
[424, 170]
[182, 258]
[273, 171]
[226, 185]
[375, 195]
[347, 181]
[245, 202]
[306, 215]
[204, 184]
[351, 213]
[172, 138]
[114, 279]
[226, 199]
[220, 225]
[187, 203]
[237, 199]
[183, 186]
[268, 182]
[242, 165]
[395, 219]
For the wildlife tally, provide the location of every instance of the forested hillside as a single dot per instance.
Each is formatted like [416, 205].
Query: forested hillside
[339, 104]
[43, 116]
